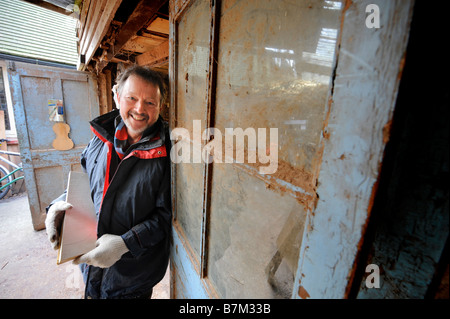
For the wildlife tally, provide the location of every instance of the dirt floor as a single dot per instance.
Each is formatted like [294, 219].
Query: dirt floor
[28, 267]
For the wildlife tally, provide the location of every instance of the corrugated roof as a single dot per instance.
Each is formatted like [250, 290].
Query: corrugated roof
[30, 31]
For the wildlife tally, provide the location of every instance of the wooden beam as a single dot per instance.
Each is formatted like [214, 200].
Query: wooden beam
[83, 15]
[143, 12]
[102, 94]
[156, 54]
[109, 97]
[100, 16]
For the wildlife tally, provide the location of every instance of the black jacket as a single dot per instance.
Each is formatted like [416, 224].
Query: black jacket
[132, 198]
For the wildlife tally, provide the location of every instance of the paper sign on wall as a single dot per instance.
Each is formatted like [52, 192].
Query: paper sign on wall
[55, 110]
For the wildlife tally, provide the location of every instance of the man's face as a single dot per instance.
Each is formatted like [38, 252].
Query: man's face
[139, 105]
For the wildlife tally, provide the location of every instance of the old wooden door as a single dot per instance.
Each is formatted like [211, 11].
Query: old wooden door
[45, 168]
[308, 87]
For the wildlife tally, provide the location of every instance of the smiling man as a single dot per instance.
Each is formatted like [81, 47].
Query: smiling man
[139, 102]
[129, 171]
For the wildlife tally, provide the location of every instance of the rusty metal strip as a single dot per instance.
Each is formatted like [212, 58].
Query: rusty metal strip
[173, 105]
[209, 120]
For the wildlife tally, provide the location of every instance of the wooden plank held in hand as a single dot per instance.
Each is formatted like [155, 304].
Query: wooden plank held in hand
[79, 229]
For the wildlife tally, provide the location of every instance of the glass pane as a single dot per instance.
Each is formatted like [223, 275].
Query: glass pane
[274, 69]
[192, 66]
[255, 237]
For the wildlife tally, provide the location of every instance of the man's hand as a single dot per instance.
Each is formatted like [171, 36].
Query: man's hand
[54, 220]
[109, 248]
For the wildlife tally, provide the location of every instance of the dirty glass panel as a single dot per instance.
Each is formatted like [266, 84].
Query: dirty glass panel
[255, 237]
[192, 64]
[274, 69]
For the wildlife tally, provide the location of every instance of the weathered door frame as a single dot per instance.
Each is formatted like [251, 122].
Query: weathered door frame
[367, 68]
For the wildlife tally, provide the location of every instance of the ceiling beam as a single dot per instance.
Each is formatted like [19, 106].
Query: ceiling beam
[151, 57]
[143, 12]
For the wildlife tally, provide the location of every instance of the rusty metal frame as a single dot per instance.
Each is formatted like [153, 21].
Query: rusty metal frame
[177, 11]
[176, 14]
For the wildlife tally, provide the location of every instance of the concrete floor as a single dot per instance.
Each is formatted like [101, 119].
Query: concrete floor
[28, 267]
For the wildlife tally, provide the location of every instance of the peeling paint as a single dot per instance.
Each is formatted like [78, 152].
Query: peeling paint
[387, 131]
[352, 149]
[302, 293]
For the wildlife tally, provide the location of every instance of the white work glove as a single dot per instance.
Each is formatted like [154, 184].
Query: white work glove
[54, 220]
[108, 250]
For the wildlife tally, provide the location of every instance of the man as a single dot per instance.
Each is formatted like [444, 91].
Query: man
[129, 172]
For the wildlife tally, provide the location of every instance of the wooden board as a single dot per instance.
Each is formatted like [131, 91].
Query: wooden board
[79, 231]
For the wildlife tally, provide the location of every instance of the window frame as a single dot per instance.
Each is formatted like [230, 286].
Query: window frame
[12, 132]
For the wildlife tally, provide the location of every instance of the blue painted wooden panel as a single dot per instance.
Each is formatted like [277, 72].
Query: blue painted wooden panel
[186, 282]
[45, 168]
